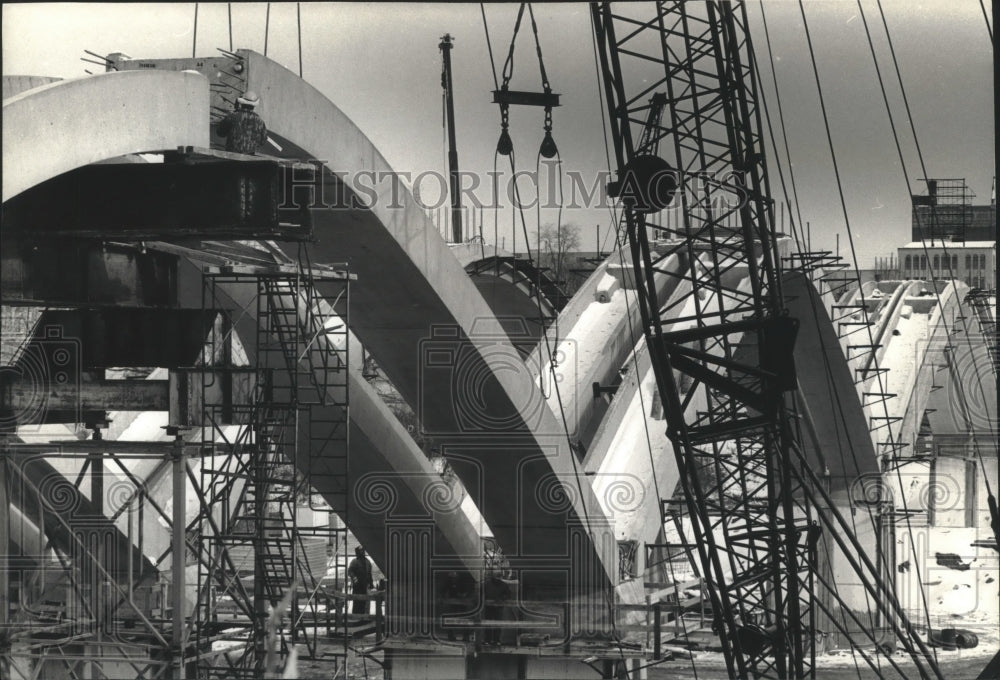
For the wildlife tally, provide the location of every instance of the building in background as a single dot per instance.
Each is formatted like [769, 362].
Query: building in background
[974, 262]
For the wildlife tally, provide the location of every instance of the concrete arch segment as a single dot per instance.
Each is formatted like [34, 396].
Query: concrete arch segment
[414, 297]
[160, 111]
[67, 124]
[840, 446]
[937, 489]
[14, 85]
[508, 291]
[594, 336]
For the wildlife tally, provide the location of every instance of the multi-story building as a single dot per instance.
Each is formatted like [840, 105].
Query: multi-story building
[974, 262]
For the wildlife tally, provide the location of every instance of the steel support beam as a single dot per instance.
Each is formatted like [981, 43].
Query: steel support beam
[105, 337]
[102, 395]
[198, 196]
[70, 272]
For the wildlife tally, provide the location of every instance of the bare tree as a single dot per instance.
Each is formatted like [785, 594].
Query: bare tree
[557, 241]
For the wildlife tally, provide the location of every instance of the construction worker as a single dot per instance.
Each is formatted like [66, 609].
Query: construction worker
[243, 129]
[496, 593]
[360, 573]
[459, 595]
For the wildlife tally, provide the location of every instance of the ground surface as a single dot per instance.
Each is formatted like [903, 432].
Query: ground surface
[955, 665]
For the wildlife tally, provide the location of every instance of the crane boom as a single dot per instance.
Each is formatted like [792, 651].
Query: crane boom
[754, 512]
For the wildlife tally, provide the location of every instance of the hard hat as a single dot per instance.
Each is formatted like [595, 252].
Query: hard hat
[249, 98]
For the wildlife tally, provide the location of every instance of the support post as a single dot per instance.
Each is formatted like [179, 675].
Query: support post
[5, 505]
[179, 551]
[453, 176]
[657, 620]
[95, 578]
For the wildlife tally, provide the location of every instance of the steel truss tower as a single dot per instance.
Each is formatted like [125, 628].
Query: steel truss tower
[755, 511]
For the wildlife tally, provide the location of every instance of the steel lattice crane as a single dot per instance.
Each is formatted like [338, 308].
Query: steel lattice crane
[724, 374]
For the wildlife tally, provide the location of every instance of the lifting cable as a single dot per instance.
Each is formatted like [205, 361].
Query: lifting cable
[868, 327]
[986, 16]
[496, 181]
[619, 244]
[577, 473]
[962, 395]
[267, 26]
[547, 149]
[923, 168]
[505, 147]
[298, 25]
[843, 203]
[194, 37]
[902, 162]
[832, 393]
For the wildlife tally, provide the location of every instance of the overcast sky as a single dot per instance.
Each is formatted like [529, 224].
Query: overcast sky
[381, 64]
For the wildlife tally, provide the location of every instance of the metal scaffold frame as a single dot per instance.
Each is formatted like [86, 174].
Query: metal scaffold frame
[273, 425]
[980, 301]
[946, 210]
[257, 592]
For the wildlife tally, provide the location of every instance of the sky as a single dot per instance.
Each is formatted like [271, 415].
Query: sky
[380, 64]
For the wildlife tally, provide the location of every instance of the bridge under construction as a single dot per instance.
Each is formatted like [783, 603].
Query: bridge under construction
[723, 452]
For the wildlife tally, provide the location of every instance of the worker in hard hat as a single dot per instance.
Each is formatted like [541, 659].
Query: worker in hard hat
[243, 129]
[360, 572]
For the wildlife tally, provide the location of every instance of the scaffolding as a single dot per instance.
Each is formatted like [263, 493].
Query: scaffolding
[263, 583]
[259, 427]
[945, 212]
[980, 301]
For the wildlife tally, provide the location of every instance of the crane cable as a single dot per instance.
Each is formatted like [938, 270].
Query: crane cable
[868, 327]
[619, 242]
[912, 638]
[940, 305]
[962, 395]
[508, 72]
[923, 168]
[986, 17]
[547, 126]
[832, 393]
[267, 26]
[489, 46]
[496, 179]
[298, 25]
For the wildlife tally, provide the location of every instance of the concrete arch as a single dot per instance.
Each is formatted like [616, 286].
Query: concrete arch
[67, 124]
[172, 111]
[413, 293]
[920, 345]
[411, 285]
[509, 291]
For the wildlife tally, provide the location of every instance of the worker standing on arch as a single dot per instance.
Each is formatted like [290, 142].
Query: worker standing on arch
[244, 129]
